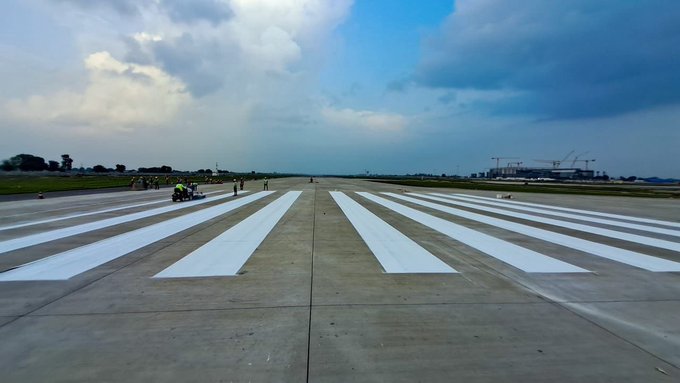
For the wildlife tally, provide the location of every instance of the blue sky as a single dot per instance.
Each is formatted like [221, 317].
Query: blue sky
[341, 86]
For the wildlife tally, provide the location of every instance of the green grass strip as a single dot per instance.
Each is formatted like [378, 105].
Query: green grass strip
[597, 190]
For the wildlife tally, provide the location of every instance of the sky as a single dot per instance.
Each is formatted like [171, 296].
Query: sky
[342, 86]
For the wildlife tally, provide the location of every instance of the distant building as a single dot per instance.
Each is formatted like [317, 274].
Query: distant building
[537, 173]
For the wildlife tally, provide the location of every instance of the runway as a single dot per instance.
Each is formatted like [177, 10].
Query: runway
[339, 280]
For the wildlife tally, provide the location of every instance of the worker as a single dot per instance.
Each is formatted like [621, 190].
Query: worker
[181, 190]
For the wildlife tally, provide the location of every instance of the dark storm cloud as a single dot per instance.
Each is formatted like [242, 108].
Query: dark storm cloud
[572, 59]
[199, 65]
[190, 11]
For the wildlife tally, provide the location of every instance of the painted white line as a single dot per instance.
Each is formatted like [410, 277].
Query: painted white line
[628, 257]
[396, 252]
[596, 213]
[68, 202]
[89, 213]
[228, 252]
[519, 257]
[652, 229]
[38, 238]
[65, 265]
[649, 241]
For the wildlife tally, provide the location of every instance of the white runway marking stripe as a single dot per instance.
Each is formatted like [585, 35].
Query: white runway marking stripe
[65, 265]
[228, 252]
[87, 214]
[517, 256]
[610, 222]
[649, 241]
[628, 257]
[596, 213]
[35, 239]
[396, 252]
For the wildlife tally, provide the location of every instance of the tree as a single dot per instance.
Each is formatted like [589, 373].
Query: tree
[7, 166]
[120, 168]
[99, 169]
[28, 162]
[155, 169]
[66, 162]
[53, 166]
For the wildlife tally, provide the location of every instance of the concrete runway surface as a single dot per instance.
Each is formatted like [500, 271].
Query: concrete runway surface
[339, 280]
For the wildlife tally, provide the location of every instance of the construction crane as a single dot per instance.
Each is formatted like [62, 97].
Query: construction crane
[556, 163]
[573, 163]
[586, 161]
[515, 163]
[498, 159]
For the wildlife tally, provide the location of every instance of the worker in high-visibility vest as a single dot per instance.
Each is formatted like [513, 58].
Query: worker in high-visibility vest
[181, 190]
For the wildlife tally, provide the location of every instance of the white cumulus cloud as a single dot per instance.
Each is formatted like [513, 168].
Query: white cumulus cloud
[273, 33]
[118, 96]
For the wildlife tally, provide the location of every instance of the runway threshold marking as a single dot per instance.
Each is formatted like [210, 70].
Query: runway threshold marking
[628, 257]
[596, 213]
[88, 213]
[38, 238]
[70, 263]
[581, 217]
[517, 256]
[228, 252]
[396, 252]
[649, 241]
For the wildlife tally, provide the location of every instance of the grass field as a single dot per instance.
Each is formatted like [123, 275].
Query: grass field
[649, 191]
[35, 184]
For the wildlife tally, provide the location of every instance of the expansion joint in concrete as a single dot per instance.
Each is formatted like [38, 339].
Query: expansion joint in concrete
[311, 284]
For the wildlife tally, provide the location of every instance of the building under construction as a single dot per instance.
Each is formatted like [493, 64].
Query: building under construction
[542, 173]
[515, 170]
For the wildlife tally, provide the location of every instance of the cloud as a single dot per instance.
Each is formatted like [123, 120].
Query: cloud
[118, 96]
[560, 59]
[272, 34]
[192, 11]
[253, 39]
[399, 85]
[124, 7]
[200, 66]
[364, 119]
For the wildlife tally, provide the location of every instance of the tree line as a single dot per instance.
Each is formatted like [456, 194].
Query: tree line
[31, 163]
